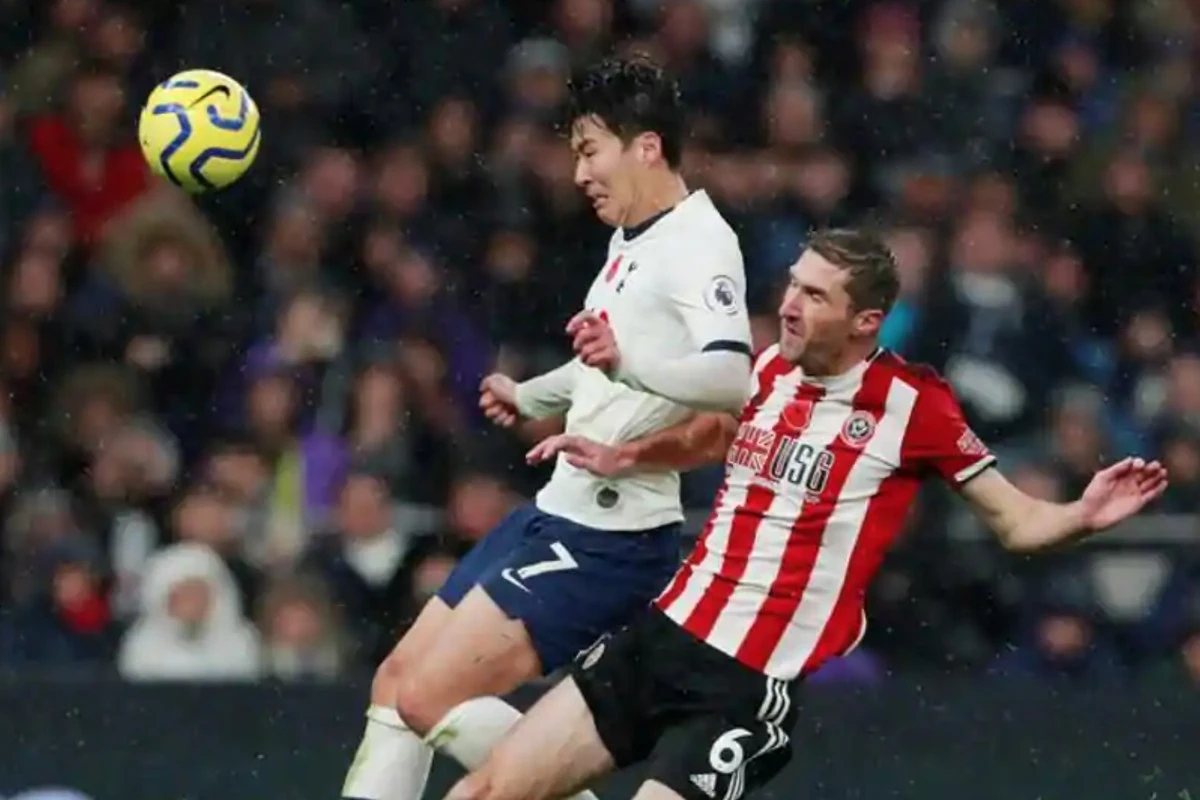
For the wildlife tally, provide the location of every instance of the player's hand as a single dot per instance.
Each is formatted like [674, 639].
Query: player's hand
[594, 342]
[1120, 491]
[602, 460]
[498, 399]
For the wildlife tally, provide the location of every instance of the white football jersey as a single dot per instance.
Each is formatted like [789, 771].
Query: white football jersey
[671, 288]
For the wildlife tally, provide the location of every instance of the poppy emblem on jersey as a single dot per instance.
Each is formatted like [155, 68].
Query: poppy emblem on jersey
[722, 295]
[796, 416]
[612, 269]
[858, 429]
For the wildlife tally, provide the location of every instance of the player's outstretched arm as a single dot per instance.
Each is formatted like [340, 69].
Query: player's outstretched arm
[696, 442]
[1025, 524]
[548, 394]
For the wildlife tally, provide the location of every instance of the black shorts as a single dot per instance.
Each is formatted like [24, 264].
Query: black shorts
[710, 727]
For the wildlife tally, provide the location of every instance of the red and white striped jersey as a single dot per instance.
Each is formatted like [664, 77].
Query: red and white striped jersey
[817, 484]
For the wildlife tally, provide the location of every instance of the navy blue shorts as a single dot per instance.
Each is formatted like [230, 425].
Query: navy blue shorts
[569, 584]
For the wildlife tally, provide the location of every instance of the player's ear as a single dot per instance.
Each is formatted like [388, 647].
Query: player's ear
[649, 148]
[868, 323]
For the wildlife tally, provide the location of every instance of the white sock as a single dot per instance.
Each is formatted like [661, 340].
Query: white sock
[471, 729]
[392, 763]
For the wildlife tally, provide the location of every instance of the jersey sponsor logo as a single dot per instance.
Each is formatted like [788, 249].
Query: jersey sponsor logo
[858, 428]
[800, 464]
[722, 295]
[781, 458]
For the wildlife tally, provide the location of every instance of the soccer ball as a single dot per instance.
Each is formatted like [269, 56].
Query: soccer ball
[200, 130]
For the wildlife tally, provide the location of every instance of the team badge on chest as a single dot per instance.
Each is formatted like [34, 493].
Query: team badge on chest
[858, 429]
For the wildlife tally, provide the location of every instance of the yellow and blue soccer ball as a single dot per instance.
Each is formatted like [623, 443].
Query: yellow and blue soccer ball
[200, 130]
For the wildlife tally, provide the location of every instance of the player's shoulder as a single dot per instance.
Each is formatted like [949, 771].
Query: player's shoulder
[716, 232]
[924, 379]
[701, 230]
[709, 220]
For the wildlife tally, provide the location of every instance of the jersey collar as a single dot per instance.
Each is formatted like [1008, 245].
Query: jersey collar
[634, 231]
[846, 380]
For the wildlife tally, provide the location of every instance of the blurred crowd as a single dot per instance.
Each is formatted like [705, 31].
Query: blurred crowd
[239, 434]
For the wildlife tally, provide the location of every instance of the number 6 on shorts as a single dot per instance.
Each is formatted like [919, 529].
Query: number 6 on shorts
[727, 755]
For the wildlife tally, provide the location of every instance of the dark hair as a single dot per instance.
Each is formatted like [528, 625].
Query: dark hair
[630, 95]
[873, 280]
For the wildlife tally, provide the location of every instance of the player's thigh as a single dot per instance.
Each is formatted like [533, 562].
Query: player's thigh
[479, 650]
[554, 751]
[418, 639]
[488, 556]
[713, 756]
[653, 790]
[434, 619]
[618, 679]
[570, 584]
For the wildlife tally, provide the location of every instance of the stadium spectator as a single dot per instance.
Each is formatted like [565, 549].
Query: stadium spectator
[204, 516]
[367, 561]
[66, 620]
[301, 637]
[994, 336]
[86, 154]
[306, 465]
[1064, 639]
[191, 625]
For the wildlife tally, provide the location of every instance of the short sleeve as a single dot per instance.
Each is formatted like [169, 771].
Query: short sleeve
[939, 439]
[710, 295]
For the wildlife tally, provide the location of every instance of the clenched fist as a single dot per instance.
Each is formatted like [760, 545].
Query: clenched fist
[498, 399]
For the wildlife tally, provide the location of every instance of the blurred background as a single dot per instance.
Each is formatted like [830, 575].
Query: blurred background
[238, 435]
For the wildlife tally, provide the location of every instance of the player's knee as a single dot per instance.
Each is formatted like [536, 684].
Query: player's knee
[386, 681]
[418, 702]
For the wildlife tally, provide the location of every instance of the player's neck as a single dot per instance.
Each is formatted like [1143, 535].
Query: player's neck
[659, 192]
[847, 361]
